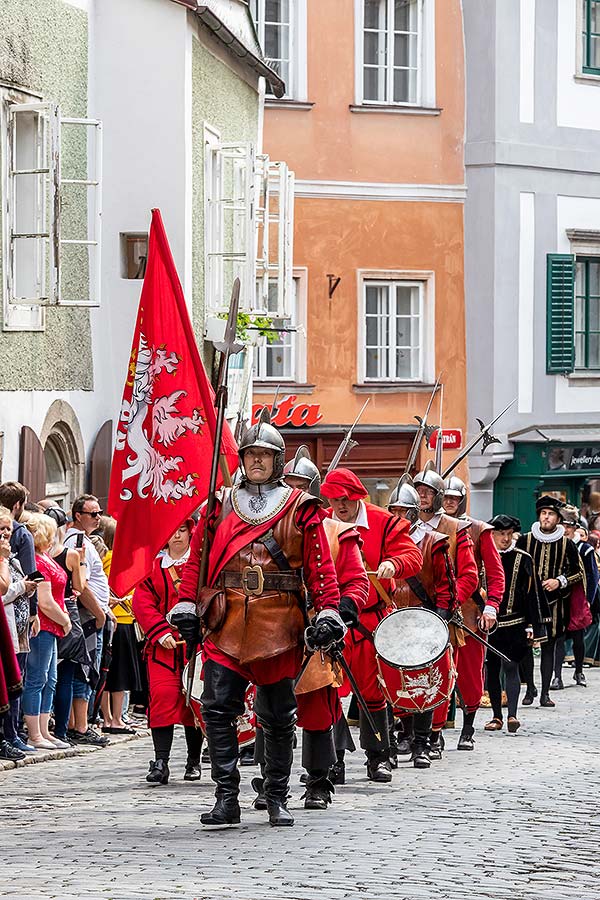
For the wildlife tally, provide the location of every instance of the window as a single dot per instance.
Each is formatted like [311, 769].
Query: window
[560, 342]
[134, 255]
[587, 314]
[591, 36]
[393, 330]
[51, 215]
[276, 360]
[281, 30]
[391, 51]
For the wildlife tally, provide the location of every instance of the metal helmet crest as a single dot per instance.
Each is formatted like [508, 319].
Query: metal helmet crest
[431, 479]
[405, 495]
[263, 434]
[302, 466]
[454, 487]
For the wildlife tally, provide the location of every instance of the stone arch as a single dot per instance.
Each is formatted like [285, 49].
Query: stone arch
[64, 450]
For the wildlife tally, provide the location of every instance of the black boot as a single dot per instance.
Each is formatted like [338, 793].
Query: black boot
[158, 772]
[406, 737]
[222, 702]
[318, 791]
[318, 756]
[275, 709]
[337, 773]
[377, 746]
[258, 786]
[436, 745]
[193, 771]
[343, 741]
[465, 741]
[422, 727]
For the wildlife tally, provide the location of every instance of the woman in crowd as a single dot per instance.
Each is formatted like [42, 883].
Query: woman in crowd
[165, 657]
[40, 678]
[21, 619]
[10, 676]
[125, 667]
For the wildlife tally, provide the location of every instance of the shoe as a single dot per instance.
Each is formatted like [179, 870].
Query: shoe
[557, 684]
[450, 724]
[379, 770]
[193, 772]
[546, 701]
[513, 724]
[226, 811]
[436, 745]
[579, 679]
[279, 814]
[404, 746]
[158, 772]
[60, 744]
[89, 737]
[337, 773]
[318, 793]
[247, 756]
[527, 699]
[125, 729]
[465, 742]
[258, 786]
[419, 757]
[42, 744]
[23, 746]
[493, 725]
[7, 751]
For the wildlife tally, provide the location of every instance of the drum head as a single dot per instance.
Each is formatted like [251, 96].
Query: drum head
[411, 637]
[197, 683]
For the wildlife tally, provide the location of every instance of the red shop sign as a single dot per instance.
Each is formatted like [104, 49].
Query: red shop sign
[452, 438]
[291, 413]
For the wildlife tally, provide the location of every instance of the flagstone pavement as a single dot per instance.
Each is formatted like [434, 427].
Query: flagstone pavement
[517, 819]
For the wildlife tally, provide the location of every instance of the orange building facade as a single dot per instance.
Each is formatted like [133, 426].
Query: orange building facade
[373, 127]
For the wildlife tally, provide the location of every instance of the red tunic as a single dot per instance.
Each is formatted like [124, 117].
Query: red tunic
[494, 570]
[227, 539]
[151, 602]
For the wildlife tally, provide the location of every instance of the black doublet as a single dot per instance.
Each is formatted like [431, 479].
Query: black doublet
[523, 605]
[553, 559]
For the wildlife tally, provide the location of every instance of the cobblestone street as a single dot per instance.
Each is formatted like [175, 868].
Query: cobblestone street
[517, 819]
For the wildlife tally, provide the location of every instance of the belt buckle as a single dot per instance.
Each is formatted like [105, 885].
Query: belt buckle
[249, 574]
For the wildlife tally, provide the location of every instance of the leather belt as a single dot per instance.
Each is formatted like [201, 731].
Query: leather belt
[252, 580]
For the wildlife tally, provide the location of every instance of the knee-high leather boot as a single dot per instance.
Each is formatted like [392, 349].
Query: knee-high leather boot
[318, 754]
[275, 709]
[376, 746]
[222, 702]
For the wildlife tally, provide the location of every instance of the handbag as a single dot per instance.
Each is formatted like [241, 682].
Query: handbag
[580, 614]
[72, 645]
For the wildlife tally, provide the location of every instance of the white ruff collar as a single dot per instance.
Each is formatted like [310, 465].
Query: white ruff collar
[168, 561]
[551, 538]
[513, 544]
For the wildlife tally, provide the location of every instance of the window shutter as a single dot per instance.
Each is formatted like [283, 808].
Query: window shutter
[560, 313]
[32, 465]
[100, 463]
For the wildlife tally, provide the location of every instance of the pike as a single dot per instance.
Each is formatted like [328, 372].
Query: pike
[439, 447]
[239, 425]
[484, 435]
[347, 443]
[227, 347]
[424, 430]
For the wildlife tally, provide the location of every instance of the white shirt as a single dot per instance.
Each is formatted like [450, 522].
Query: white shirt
[96, 579]
[361, 520]
[432, 524]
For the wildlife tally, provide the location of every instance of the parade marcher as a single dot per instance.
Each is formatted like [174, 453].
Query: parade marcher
[582, 599]
[436, 587]
[559, 568]
[267, 546]
[430, 488]
[325, 731]
[152, 602]
[480, 610]
[389, 553]
[520, 621]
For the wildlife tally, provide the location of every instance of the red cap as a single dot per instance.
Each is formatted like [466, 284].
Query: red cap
[343, 483]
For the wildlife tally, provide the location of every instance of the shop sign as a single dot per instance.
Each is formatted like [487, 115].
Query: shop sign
[573, 459]
[291, 413]
[451, 439]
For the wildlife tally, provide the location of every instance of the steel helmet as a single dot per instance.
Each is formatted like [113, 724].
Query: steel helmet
[405, 495]
[302, 466]
[431, 479]
[454, 487]
[263, 434]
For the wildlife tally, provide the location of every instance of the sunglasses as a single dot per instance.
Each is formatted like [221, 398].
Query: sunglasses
[93, 515]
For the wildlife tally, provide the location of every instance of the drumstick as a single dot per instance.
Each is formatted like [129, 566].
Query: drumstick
[178, 643]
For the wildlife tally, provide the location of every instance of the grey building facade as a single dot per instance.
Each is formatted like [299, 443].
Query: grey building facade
[532, 246]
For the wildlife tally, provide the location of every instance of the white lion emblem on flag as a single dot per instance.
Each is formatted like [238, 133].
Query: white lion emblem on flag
[145, 462]
[422, 686]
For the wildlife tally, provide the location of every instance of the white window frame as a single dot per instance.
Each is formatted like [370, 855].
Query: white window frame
[297, 319]
[425, 280]
[426, 73]
[27, 313]
[296, 86]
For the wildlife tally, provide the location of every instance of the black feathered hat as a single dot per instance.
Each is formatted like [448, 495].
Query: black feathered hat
[503, 523]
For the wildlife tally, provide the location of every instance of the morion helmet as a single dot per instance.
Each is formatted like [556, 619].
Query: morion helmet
[406, 496]
[431, 479]
[454, 487]
[302, 466]
[263, 434]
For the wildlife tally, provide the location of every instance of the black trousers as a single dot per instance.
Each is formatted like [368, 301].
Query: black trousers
[578, 651]
[495, 668]
[547, 663]
[162, 738]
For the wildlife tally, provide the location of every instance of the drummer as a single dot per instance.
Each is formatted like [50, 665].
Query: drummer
[165, 658]
[434, 588]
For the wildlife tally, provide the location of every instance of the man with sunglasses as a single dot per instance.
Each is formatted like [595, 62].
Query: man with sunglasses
[93, 608]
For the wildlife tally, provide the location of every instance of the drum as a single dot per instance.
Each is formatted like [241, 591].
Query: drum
[246, 726]
[414, 659]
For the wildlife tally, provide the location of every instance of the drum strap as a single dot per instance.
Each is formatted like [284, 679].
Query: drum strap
[279, 558]
[419, 591]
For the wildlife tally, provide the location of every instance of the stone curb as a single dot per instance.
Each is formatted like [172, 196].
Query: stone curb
[46, 755]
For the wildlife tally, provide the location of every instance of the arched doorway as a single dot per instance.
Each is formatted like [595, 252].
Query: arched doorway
[64, 453]
[58, 470]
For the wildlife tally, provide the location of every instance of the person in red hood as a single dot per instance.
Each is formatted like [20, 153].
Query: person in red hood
[388, 553]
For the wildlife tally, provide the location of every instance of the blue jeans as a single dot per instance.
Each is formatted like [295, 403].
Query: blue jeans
[40, 680]
[81, 689]
[63, 698]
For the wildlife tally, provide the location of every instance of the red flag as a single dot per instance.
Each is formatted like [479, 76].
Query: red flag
[165, 434]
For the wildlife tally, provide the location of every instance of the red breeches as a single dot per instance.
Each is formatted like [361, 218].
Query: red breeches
[319, 710]
[470, 673]
[166, 702]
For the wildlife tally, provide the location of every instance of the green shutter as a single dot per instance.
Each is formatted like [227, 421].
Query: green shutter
[560, 313]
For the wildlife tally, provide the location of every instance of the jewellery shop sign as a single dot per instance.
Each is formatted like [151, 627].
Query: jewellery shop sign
[573, 459]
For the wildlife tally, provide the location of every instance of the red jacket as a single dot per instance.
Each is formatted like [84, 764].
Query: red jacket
[152, 600]
[444, 579]
[345, 545]
[494, 570]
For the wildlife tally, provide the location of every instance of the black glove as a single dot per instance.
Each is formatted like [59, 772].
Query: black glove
[188, 625]
[327, 632]
[348, 612]
[444, 614]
